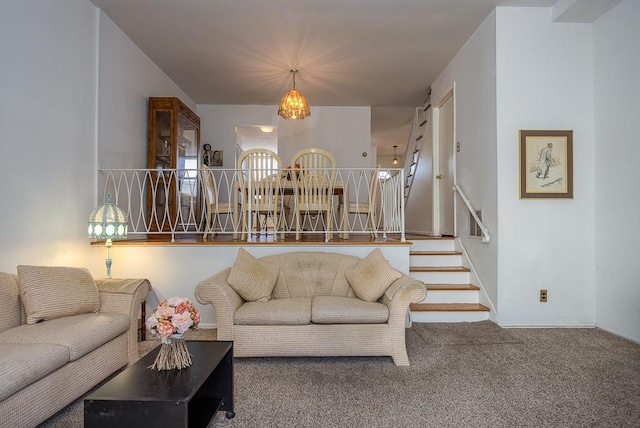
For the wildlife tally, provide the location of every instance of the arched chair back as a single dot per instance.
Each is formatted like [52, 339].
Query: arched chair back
[213, 207]
[260, 183]
[314, 189]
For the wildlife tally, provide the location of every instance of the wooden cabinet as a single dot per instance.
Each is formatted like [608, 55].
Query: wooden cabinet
[173, 156]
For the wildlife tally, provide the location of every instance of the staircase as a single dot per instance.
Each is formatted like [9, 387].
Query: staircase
[450, 295]
[419, 127]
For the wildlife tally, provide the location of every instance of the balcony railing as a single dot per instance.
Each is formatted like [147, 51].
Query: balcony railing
[173, 202]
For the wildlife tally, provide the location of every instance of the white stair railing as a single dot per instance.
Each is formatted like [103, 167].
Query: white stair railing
[485, 233]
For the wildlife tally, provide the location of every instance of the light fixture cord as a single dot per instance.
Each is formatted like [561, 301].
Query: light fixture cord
[294, 78]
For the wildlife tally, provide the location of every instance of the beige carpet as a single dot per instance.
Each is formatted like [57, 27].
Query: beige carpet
[461, 375]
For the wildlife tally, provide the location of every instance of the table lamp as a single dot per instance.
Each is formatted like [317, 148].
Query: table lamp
[108, 222]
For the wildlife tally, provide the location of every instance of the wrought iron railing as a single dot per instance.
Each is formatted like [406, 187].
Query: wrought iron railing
[177, 202]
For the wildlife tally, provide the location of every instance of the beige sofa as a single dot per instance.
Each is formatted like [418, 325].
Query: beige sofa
[61, 333]
[315, 307]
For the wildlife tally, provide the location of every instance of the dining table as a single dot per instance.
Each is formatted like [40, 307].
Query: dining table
[287, 188]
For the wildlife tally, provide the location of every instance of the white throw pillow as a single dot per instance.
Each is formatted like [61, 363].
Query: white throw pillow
[49, 292]
[371, 277]
[251, 278]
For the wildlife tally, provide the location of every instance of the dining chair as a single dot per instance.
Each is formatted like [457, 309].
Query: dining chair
[260, 183]
[368, 206]
[213, 207]
[313, 190]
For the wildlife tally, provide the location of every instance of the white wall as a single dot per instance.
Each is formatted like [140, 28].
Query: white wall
[52, 133]
[126, 81]
[544, 81]
[47, 150]
[474, 72]
[344, 131]
[617, 150]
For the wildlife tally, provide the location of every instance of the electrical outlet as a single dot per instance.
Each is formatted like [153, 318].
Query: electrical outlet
[543, 295]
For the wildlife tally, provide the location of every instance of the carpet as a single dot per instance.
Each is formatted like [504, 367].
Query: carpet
[461, 375]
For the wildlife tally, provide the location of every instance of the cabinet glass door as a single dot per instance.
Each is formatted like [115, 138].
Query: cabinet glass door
[187, 164]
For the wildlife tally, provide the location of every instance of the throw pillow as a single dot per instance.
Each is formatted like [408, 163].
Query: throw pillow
[251, 278]
[49, 292]
[371, 277]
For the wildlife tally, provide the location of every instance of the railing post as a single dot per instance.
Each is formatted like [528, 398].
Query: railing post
[249, 198]
[400, 190]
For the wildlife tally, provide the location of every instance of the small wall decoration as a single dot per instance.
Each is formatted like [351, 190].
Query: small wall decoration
[546, 164]
[216, 158]
[206, 154]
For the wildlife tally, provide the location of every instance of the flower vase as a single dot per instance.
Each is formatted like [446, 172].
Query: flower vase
[173, 354]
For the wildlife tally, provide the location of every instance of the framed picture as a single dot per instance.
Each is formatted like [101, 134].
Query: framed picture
[216, 158]
[546, 164]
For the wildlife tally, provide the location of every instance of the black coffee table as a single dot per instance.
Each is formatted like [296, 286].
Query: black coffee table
[142, 397]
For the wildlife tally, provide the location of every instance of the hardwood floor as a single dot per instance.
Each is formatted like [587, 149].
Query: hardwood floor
[264, 239]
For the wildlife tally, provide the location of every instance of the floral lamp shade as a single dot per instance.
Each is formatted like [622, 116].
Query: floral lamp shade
[108, 222]
[293, 104]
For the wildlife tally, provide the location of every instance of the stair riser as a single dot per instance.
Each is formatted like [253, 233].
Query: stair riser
[442, 277]
[433, 260]
[432, 245]
[438, 317]
[452, 296]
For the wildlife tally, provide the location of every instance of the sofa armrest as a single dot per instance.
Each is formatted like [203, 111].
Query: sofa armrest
[124, 296]
[400, 294]
[225, 301]
[398, 297]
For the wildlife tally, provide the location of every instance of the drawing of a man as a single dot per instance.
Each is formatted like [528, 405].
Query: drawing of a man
[544, 162]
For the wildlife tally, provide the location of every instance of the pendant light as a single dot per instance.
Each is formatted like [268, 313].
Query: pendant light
[395, 156]
[293, 105]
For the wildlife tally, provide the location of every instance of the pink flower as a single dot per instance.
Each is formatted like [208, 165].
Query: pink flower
[173, 315]
[165, 328]
[163, 311]
[184, 307]
[182, 321]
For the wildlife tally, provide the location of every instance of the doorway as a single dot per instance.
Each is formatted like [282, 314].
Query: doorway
[255, 137]
[445, 224]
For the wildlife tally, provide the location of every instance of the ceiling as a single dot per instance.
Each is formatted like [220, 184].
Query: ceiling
[379, 53]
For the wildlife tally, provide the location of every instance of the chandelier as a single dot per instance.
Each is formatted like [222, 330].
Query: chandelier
[293, 105]
[395, 156]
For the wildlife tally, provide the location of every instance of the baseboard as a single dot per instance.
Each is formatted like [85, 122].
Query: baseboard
[617, 333]
[205, 326]
[547, 325]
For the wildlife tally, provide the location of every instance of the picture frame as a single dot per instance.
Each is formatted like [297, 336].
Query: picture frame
[216, 158]
[546, 164]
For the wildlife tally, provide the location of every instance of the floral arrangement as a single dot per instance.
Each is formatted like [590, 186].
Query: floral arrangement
[172, 318]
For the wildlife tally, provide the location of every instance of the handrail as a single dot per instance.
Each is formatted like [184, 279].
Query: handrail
[485, 233]
[172, 202]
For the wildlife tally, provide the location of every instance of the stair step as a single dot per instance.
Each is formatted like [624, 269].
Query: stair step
[448, 307]
[431, 243]
[439, 269]
[435, 258]
[453, 287]
[452, 293]
[434, 253]
[441, 274]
